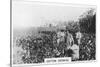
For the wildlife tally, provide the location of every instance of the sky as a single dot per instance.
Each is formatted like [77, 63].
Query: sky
[32, 14]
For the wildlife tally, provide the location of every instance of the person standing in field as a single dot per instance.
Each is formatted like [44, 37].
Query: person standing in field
[75, 47]
[70, 40]
[60, 36]
[78, 37]
[72, 46]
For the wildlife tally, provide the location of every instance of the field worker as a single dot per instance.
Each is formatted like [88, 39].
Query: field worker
[75, 54]
[78, 37]
[70, 40]
[60, 36]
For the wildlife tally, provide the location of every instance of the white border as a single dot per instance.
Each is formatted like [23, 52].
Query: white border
[53, 4]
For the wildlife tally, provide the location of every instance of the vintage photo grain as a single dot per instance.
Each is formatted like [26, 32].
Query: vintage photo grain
[52, 33]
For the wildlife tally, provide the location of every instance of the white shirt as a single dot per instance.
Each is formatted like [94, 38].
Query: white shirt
[75, 49]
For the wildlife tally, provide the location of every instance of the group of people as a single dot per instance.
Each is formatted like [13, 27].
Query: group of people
[67, 37]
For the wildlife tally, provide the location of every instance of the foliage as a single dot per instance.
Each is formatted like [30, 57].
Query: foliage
[87, 47]
[43, 47]
[87, 22]
[72, 26]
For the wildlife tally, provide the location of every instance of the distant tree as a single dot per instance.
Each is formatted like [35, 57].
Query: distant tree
[87, 22]
[72, 26]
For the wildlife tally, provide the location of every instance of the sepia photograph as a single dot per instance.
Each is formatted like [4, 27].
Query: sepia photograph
[46, 33]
